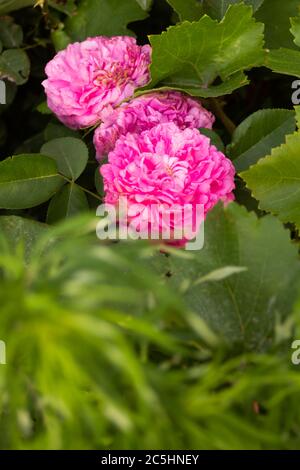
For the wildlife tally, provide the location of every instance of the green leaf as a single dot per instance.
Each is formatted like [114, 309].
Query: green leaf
[11, 34]
[190, 10]
[276, 14]
[241, 308]
[217, 8]
[43, 108]
[55, 129]
[10, 5]
[283, 60]
[214, 138]
[258, 134]
[69, 201]
[297, 112]
[60, 39]
[295, 29]
[220, 274]
[275, 181]
[19, 230]
[99, 182]
[103, 17]
[145, 4]
[30, 145]
[190, 56]
[237, 80]
[70, 154]
[15, 66]
[286, 61]
[27, 181]
[68, 6]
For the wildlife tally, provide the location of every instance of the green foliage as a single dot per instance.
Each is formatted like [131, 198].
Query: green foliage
[190, 10]
[70, 154]
[214, 138]
[276, 15]
[258, 134]
[180, 60]
[27, 180]
[295, 30]
[145, 4]
[67, 6]
[67, 202]
[286, 60]
[14, 62]
[217, 8]
[125, 349]
[103, 17]
[6, 6]
[233, 308]
[55, 130]
[15, 66]
[43, 108]
[17, 231]
[11, 34]
[275, 180]
[60, 39]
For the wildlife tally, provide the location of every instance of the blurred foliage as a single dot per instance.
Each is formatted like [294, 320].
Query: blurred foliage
[102, 353]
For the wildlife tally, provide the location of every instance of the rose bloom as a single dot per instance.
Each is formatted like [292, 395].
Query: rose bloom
[167, 168]
[88, 76]
[146, 112]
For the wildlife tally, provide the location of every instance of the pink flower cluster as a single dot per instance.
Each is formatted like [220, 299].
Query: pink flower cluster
[163, 167]
[146, 112]
[87, 77]
[157, 158]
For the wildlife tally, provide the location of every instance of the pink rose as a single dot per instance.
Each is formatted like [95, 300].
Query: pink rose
[146, 112]
[88, 76]
[165, 168]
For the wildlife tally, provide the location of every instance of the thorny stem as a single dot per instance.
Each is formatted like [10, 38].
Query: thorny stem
[90, 130]
[82, 188]
[218, 110]
[90, 193]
